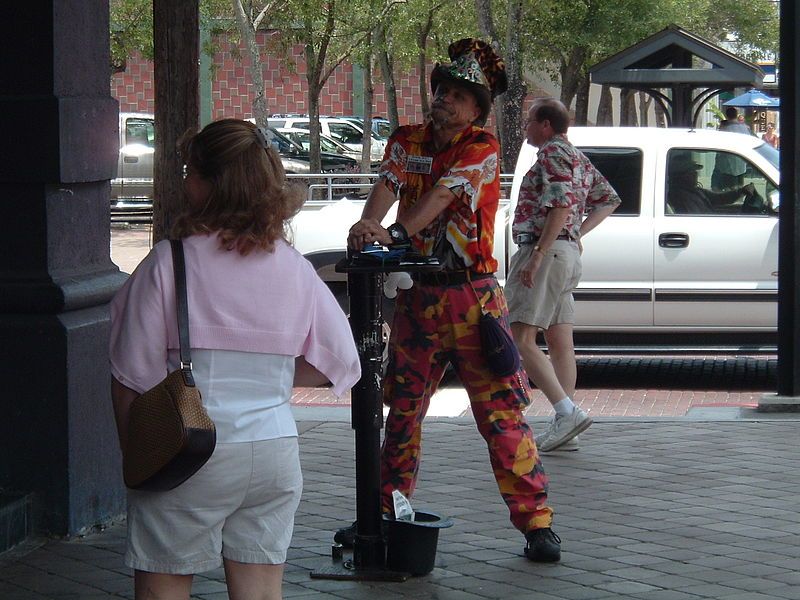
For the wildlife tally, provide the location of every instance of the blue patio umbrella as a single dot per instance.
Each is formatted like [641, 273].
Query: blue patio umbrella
[753, 99]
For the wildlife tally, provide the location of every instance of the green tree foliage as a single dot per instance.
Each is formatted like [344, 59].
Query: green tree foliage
[131, 26]
[319, 26]
[131, 30]
[567, 38]
[421, 32]
[750, 27]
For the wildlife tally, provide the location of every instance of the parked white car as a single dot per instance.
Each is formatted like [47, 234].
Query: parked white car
[346, 131]
[650, 276]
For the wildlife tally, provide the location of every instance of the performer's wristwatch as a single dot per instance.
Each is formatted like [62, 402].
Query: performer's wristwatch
[398, 233]
[538, 248]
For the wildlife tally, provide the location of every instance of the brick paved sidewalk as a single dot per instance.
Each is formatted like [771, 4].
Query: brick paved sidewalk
[598, 402]
[655, 510]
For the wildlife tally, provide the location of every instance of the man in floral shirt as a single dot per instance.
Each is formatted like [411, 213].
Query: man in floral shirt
[446, 175]
[548, 226]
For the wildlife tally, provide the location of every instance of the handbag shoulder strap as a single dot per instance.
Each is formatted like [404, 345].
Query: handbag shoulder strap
[182, 309]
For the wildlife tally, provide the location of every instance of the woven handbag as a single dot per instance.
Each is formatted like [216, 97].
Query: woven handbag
[170, 435]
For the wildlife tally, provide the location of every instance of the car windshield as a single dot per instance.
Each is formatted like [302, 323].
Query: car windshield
[283, 144]
[326, 144]
[329, 145]
[770, 153]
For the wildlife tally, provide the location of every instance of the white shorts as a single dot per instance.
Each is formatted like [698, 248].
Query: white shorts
[240, 505]
[549, 301]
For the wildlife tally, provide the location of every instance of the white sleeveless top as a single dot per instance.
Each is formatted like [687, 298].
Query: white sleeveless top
[246, 394]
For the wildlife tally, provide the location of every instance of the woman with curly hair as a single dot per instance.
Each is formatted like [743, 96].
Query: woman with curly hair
[261, 321]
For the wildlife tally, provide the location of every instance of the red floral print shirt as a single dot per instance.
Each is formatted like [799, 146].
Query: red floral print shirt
[561, 177]
[462, 235]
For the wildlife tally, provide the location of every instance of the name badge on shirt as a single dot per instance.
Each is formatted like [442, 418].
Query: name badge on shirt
[419, 164]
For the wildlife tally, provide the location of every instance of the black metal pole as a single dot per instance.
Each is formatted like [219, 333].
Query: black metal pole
[789, 226]
[365, 289]
[366, 297]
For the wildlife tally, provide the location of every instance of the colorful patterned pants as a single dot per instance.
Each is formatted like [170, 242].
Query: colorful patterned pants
[435, 326]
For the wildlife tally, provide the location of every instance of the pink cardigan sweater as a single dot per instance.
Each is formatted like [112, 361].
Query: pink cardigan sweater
[272, 303]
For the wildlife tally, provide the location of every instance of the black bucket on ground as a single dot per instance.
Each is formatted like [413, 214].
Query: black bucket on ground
[411, 545]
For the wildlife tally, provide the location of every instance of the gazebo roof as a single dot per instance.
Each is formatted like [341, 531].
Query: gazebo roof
[666, 58]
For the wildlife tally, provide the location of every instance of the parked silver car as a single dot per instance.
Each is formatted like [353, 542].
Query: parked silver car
[132, 188]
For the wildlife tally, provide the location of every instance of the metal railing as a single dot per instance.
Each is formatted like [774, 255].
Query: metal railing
[323, 188]
[327, 187]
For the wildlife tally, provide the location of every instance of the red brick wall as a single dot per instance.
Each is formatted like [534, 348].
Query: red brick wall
[134, 87]
[286, 87]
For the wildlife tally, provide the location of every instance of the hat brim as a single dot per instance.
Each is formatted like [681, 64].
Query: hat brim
[482, 95]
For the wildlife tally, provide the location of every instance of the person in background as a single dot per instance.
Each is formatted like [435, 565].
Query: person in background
[446, 174]
[771, 136]
[729, 169]
[261, 322]
[548, 226]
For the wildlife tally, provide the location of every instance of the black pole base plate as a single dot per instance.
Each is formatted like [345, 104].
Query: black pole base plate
[346, 570]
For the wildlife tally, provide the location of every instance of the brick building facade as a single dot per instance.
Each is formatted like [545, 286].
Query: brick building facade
[286, 86]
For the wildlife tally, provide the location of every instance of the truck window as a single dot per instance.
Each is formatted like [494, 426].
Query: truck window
[140, 131]
[710, 182]
[623, 169]
[345, 133]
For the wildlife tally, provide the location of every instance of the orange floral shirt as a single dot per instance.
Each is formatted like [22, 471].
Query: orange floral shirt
[469, 166]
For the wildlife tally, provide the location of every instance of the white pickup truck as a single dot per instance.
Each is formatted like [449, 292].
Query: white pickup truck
[652, 276]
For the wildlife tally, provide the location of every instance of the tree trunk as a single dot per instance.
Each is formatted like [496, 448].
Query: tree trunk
[570, 71]
[483, 9]
[645, 100]
[248, 33]
[387, 73]
[605, 110]
[176, 43]
[314, 68]
[422, 65]
[627, 108]
[511, 103]
[314, 129]
[582, 101]
[661, 117]
[369, 94]
[568, 88]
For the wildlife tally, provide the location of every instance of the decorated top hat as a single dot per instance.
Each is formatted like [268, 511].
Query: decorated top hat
[476, 66]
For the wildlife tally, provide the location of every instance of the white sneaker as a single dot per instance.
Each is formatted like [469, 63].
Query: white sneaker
[562, 429]
[570, 446]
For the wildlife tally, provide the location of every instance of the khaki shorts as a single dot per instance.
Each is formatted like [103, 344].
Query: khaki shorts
[239, 505]
[549, 301]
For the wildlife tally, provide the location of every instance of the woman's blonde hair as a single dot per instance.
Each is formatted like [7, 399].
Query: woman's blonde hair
[250, 201]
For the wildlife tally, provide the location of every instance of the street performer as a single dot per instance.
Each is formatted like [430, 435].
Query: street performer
[446, 174]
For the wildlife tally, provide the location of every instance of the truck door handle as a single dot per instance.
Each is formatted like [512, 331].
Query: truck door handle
[130, 159]
[673, 240]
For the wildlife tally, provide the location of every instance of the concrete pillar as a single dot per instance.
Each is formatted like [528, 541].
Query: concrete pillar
[59, 130]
